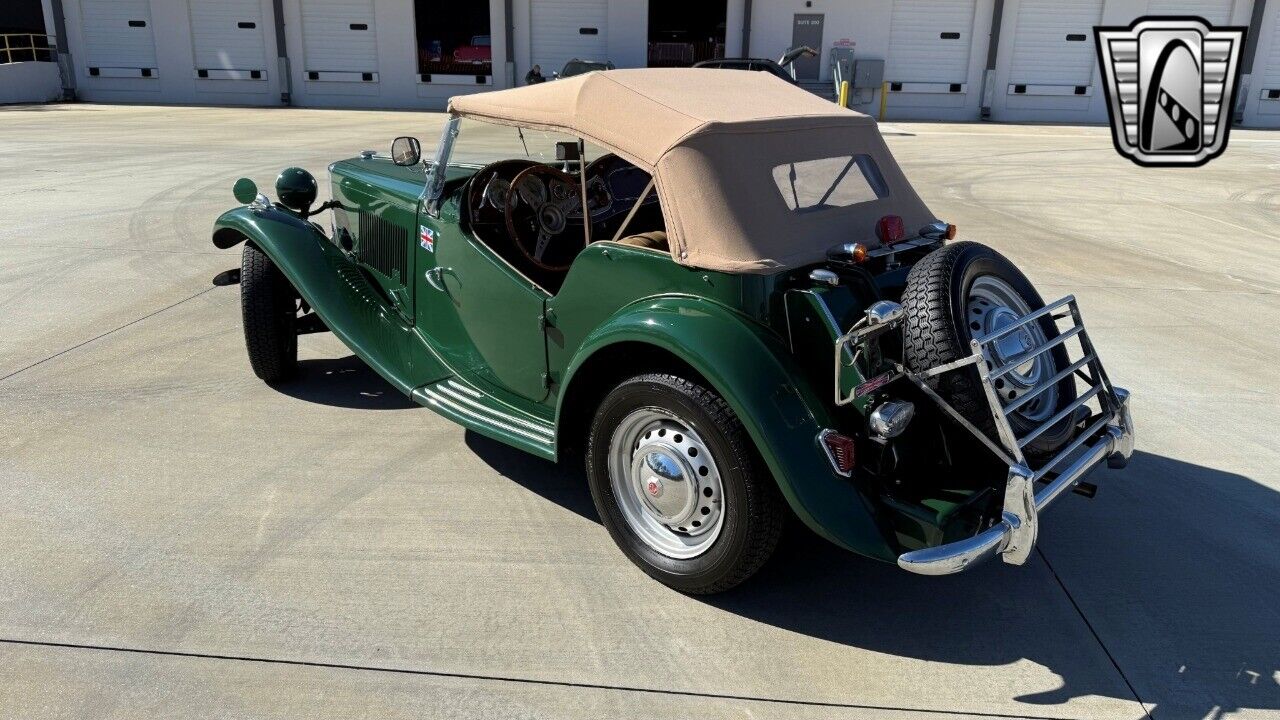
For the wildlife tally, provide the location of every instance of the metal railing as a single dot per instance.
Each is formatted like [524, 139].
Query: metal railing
[27, 47]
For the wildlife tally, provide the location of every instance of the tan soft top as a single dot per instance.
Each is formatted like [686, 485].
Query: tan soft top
[714, 140]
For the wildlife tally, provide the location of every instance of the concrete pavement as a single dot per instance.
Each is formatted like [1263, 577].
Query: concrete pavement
[182, 540]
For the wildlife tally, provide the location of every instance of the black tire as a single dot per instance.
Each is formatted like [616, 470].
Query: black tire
[268, 304]
[752, 504]
[937, 332]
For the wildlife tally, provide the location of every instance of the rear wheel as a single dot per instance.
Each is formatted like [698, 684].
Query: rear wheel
[269, 305]
[679, 486]
[967, 290]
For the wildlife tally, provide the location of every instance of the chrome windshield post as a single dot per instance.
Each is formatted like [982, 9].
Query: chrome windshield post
[436, 172]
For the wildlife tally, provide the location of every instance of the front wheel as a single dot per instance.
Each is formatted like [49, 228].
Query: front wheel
[679, 486]
[269, 305]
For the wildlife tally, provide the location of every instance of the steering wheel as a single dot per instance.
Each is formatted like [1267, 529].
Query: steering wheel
[539, 205]
[487, 190]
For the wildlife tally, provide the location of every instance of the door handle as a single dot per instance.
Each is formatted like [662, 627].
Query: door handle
[434, 279]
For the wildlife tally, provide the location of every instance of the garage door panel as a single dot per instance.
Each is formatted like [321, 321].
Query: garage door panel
[339, 36]
[929, 41]
[228, 35]
[118, 34]
[1267, 69]
[561, 31]
[1217, 12]
[1053, 42]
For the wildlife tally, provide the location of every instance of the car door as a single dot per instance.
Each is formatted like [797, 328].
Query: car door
[484, 319]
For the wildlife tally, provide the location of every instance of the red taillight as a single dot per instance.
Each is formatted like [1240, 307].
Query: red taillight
[839, 450]
[890, 229]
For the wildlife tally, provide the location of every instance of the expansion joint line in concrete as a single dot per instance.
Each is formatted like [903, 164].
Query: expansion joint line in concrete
[1146, 712]
[99, 337]
[515, 680]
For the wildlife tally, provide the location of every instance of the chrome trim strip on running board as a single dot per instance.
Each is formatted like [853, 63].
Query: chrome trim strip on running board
[438, 399]
[485, 409]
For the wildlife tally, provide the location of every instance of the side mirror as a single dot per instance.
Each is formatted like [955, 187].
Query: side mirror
[406, 151]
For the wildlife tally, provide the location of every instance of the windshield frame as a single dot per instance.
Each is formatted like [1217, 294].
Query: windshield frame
[437, 171]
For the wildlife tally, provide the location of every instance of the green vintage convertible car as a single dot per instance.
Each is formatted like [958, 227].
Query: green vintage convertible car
[718, 290]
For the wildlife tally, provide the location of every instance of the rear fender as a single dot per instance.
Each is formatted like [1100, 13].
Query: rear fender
[768, 392]
[337, 290]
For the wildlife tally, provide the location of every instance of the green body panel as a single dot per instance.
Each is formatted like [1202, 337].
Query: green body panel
[486, 322]
[751, 368]
[606, 277]
[340, 293]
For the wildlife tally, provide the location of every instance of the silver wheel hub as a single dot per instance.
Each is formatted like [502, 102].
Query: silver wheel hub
[666, 483]
[993, 305]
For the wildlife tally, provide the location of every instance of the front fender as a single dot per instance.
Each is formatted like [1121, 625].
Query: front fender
[337, 290]
[758, 378]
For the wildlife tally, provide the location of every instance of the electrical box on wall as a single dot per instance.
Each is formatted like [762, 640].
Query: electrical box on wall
[868, 73]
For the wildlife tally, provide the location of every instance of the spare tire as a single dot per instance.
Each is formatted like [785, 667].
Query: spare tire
[965, 290]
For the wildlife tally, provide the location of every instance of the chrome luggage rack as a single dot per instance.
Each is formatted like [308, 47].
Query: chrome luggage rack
[1108, 427]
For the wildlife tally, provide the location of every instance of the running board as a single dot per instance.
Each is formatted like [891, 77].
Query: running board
[476, 411]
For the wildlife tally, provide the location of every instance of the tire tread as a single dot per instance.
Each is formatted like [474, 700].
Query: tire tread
[269, 333]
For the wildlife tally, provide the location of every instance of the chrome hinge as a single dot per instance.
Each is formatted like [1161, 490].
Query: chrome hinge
[546, 381]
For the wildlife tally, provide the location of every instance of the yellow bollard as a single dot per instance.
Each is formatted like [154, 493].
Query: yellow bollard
[884, 98]
[844, 94]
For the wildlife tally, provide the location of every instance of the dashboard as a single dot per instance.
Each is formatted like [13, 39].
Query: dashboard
[613, 186]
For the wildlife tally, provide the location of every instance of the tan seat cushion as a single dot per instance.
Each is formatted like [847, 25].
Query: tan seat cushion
[655, 240]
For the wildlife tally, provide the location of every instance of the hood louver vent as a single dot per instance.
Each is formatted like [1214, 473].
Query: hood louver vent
[383, 247]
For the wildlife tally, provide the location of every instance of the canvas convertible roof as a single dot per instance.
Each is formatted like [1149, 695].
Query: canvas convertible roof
[753, 173]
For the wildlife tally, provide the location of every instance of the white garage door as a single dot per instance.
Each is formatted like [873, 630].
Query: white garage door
[567, 29]
[1053, 48]
[1266, 68]
[339, 40]
[929, 43]
[1217, 12]
[227, 37]
[118, 40]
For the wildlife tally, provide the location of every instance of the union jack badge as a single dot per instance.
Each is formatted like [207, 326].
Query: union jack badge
[1171, 84]
[426, 238]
